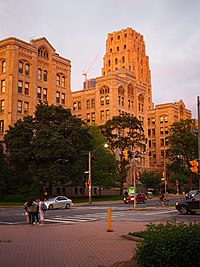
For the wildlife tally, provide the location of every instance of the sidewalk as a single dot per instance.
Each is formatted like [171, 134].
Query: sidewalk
[79, 245]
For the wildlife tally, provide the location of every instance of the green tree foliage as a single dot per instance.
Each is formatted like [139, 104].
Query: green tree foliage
[124, 132]
[104, 164]
[151, 179]
[183, 145]
[4, 174]
[48, 146]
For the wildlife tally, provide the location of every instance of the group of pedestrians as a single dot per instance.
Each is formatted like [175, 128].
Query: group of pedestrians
[35, 211]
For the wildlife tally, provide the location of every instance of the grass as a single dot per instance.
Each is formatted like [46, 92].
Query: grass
[74, 199]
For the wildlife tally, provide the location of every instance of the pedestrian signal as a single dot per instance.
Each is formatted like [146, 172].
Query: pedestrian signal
[194, 167]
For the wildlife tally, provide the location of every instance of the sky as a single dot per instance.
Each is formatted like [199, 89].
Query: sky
[78, 30]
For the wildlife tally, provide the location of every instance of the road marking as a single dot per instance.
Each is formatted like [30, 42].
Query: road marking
[161, 212]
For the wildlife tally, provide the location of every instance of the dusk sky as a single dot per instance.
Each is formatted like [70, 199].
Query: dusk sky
[78, 30]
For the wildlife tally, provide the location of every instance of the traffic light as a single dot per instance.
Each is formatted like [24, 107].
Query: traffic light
[125, 153]
[194, 167]
[137, 176]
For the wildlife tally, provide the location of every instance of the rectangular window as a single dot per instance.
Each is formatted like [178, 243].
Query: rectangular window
[2, 126]
[45, 94]
[119, 100]
[93, 117]
[39, 74]
[19, 107]
[63, 99]
[129, 104]
[57, 97]
[161, 130]
[74, 106]
[102, 115]
[20, 84]
[93, 103]
[107, 114]
[20, 68]
[79, 105]
[88, 104]
[4, 66]
[26, 89]
[166, 130]
[88, 117]
[26, 107]
[27, 69]
[2, 104]
[39, 90]
[3, 86]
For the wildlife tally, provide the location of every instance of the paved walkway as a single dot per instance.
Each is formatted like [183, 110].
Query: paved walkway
[80, 245]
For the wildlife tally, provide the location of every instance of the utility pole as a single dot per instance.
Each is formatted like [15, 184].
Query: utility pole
[198, 108]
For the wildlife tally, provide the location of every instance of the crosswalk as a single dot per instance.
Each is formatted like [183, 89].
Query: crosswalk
[89, 217]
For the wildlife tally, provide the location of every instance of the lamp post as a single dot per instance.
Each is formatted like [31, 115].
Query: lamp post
[90, 172]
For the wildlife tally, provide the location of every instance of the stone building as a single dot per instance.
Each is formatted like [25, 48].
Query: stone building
[34, 72]
[30, 73]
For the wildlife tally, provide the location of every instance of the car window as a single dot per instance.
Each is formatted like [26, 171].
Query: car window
[197, 197]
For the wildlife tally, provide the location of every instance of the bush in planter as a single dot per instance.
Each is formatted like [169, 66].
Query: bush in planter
[171, 244]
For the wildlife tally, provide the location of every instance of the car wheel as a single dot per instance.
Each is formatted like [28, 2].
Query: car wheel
[145, 200]
[183, 209]
[50, 207]
[67, 206]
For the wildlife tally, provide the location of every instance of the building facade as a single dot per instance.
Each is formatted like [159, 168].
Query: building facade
[34, 72]
[30, 73]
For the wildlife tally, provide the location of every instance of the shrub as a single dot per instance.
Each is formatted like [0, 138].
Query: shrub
[172, 244]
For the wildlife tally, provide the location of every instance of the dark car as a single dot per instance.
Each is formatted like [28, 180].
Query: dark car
[192, 194]
[140, 197]
[191, 205]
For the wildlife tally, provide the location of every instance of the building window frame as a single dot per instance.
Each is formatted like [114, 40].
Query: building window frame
[20, 87]
[3, 86]
[26, 88]
[1, 126]
[27, 69]
[2, 106]
[63, 99]
[3, 66]
[19, 106]
[20, 67]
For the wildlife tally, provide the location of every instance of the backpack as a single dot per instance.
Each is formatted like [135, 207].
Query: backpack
[43, 207]
[32, 209]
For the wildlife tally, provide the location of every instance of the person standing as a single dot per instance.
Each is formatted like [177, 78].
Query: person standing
[161, 197]
[31, 208]
[41, 209]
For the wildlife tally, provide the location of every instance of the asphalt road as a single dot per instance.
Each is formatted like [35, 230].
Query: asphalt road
[120, 212]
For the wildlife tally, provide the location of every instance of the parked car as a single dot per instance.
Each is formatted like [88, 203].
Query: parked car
[58, 203]
[192, 193]
[191, 205]
[140, 197]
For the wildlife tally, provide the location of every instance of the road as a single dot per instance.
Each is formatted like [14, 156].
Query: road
[99, 212]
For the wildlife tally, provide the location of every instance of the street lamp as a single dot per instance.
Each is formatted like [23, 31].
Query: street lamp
[90, 172]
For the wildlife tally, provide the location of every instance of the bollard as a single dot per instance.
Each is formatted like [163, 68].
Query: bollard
[27, 217]
[109, 220]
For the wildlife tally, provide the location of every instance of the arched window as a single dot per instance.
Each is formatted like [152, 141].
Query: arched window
[20, 67]
[27, 69]
[45, 76]
[63, 81]
[58, 79]
[141, 103]
[40, 51]
[102, 101]
[46, 55]
[107, 100]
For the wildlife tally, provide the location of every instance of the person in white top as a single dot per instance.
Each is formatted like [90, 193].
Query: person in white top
[41, 210]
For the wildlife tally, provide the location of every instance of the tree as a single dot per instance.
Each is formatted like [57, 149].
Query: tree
[48, 146]
[4, 174]
[151, 179]
[183, 145]
[104, 164]
[124, 132]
